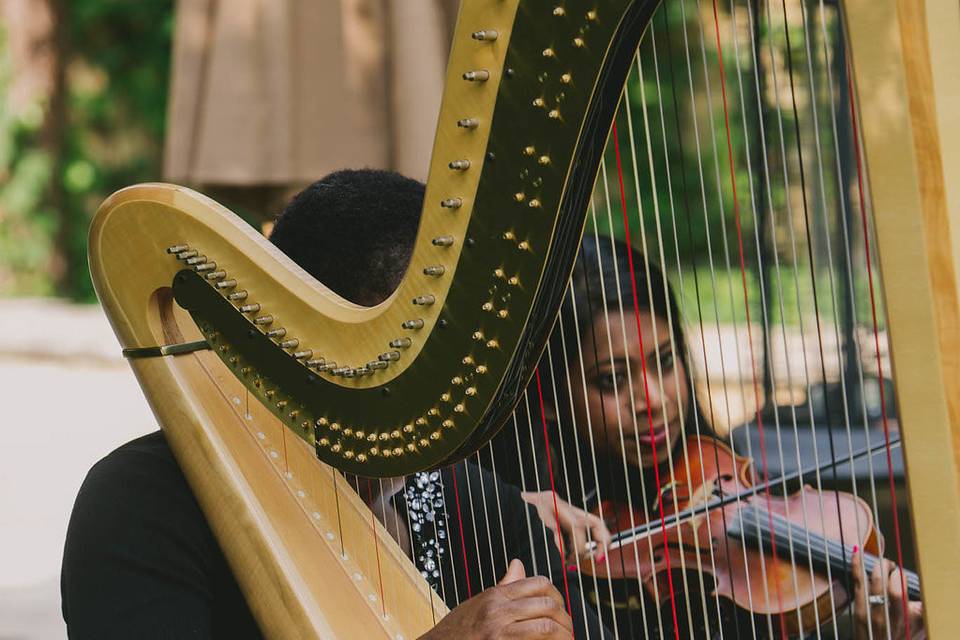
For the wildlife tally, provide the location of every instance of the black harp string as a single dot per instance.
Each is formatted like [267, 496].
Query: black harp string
[688, 217]
[566, 480]
[590, 320]
[651, 170]
[765, 188]
[630, 385]
[578, 447]
[710, 255]
[842, 196]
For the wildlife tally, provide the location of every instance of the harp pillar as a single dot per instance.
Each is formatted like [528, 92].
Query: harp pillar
[905, 59]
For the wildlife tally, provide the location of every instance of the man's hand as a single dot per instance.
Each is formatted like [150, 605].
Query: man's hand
[585, 534]
[885, 581]
[518, 607]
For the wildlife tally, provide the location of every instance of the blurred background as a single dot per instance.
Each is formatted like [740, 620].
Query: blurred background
[249, 100]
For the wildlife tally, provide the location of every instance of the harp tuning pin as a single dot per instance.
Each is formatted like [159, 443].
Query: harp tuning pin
[513, 281]
[492, 344]
[281, 404]
[523, 245]
[277, 333]
[292, 343]
[315, 363]
[348, 454]
[177, 248]
[479, 75]
[468, 123]
[376, 365]
[488, 35]
[424, 442]
[502, 313]
[559, 11]
[436, 270]
[327, 366]
[459, 165]
[538, 102]
[591, 15]
[263, 320]
[443, 241]
[451, 203]
[481, 369]
[390, 356]
[554, 114]
[400, 343]
[237, 295]
[447, 424]
[408, 428]
[534, 204]
[543, 161]
[250, 308]
[519, 196]
[548, 53]
[306, 354]
[460, 408]
[566, 78]
[412, 324]
[195, 259]
[426, 300]
[186, 255]
[216, 275]
[421, 422]
[578, 42]
[207, 266]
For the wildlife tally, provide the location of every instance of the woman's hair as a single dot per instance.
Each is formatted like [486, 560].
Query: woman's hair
[610, 277]
[603, 280]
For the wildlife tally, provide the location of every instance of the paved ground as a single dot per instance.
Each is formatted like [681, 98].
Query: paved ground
[68, 399]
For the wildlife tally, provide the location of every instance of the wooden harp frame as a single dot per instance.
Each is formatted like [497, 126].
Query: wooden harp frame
[275, 521]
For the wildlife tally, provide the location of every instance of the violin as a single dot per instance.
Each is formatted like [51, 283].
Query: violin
[784, 561]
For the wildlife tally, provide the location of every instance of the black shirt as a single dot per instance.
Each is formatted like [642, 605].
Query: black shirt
[140, 560]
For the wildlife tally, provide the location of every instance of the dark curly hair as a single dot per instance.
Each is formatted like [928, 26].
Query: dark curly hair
[354, 231]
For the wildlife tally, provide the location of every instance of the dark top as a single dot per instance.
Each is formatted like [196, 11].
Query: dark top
[140, 560]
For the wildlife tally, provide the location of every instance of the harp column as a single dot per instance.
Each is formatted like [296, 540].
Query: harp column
[905, 59]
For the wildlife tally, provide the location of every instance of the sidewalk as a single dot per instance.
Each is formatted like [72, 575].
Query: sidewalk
[69, 399]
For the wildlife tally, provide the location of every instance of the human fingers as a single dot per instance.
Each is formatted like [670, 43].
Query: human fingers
[547, 628]
[529, 588]
[515, 572]
[534, 608]
[895, 585]
[859, 587]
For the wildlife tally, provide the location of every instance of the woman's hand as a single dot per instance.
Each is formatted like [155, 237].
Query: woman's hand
[885, 582]
[585, 534]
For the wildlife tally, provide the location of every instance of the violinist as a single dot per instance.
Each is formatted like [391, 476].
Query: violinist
[618, 418]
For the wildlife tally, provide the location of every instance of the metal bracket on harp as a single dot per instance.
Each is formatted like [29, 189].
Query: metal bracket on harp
[166, 350]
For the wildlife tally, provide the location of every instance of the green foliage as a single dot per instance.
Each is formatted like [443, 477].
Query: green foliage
[117, 57]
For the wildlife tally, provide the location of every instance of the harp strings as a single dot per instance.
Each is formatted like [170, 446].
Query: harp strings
[656, 143]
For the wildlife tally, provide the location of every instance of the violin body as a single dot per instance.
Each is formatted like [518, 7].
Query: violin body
[772, 558]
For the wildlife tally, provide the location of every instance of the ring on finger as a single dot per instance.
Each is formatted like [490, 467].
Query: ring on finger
[876, 599]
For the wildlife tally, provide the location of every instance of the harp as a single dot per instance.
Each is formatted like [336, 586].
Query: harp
[294, 374]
